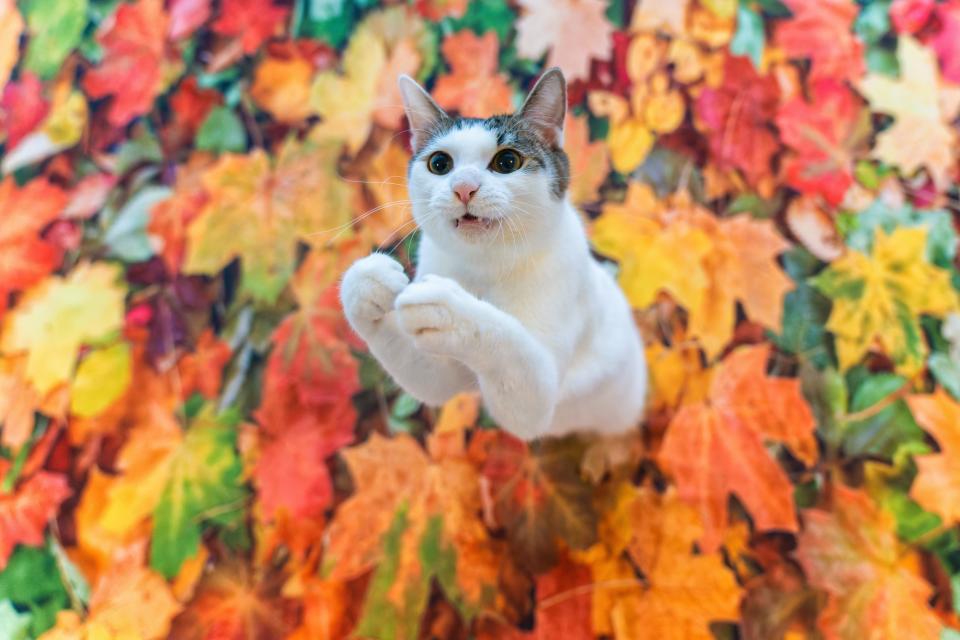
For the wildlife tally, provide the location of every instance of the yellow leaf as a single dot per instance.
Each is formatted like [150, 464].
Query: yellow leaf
[11, 24]
[877, 298]
[630, 141]
[56, 317]
[101, 379]
[650, 15]
[281, 86]
[921, 135]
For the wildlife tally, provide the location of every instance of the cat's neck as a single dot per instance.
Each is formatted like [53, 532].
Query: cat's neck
[530, 254]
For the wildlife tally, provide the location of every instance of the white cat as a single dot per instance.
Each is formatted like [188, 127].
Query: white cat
[507, 297]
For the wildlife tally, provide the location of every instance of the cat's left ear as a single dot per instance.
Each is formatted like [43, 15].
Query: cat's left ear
[546, 106]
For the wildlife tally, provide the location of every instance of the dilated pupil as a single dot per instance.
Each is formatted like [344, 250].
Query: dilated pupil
[440, 163]
[507, 161]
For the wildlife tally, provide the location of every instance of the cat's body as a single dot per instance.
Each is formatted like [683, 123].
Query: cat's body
[507, 298]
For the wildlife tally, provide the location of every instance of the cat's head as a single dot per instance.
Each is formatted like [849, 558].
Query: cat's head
[476, 183]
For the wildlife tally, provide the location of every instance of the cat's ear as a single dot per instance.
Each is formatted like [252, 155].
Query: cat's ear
[423, 113]
[546, 106]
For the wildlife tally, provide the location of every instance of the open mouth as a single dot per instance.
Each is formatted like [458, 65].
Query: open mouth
[470, 222]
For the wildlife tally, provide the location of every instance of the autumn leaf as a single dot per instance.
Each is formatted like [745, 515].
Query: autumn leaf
[538, 495]
[473, 88]
[824, 134]
[233, 603]
[821, 30]
[877, 298]
[101, 378]
[715, 448]
[920, 135]
[736, 119]
[937, 482]
[186, 16]
[22, 108]
[136, 67]
[11, 24]
[387, 214]
[572, 31]
[650, 15]
[281, 86]
[589, 161]
[25, 257]
[89, 296]
[25, 512]
[852, 553]
[423, 509]
[129, 601]
[252, 21]
[55, 28]
[258, 210]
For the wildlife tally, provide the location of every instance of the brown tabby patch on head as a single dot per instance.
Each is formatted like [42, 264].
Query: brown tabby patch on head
[515, 132]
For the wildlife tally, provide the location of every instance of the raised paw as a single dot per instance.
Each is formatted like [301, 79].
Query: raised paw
[369, 289]
[440, 316]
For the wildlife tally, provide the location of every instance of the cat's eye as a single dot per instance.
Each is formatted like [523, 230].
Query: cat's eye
[440, 163]
[506, 161]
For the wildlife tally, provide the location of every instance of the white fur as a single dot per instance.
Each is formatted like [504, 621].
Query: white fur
[521, 312]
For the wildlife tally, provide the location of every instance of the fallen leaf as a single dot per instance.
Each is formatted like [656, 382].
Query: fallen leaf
[716, 448]
[22, 108]
[573, 31]
[186, 16]
[920, 135]
[650, 15]
[259, 209]
[253, 22]
[821, 30]
[937, 483]
[11, 25]
[877, 298]
[89, 296]
[281, 86]
[473, 88]
[589, 161]
[25, 512]
[873, 586]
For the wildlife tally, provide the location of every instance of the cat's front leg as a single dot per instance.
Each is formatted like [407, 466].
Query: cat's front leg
[517, 374]
[368, 291]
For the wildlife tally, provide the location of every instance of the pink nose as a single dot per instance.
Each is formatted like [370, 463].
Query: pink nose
[465, 191]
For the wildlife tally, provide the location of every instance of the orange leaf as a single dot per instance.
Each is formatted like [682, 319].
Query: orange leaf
[821, 30]
[253, 21]
[874, 589]
[474, 88]
[281, 86]
[25, 258]
[25, 512]
[716, 448]
[937, 487]
[589, 161]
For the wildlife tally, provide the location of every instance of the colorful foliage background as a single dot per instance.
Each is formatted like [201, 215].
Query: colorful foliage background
[194, 445]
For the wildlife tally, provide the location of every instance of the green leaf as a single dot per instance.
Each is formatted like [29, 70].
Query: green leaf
[883, 432]
[749, 40]
[127, 237]
[947, 373]
[222, 131]
[487, 15]
[56, 27]
[69, 573]
[405, 406]
[883, 60]
[142, 149]
[205, 485]
[805, 312]
[31, 581]
[327, 20]
[873, 23]
[13, 624]
[941, 234]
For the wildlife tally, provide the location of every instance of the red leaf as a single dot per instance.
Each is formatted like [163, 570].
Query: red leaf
[822, 31]
[186, 16]
[254, 21]
[910, 16]
[132, 68]
[24, 513]
[947, 42]
[737, 117]
[22, 108]
[821, 132]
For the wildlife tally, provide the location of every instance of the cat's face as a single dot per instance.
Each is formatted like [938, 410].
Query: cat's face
[478, 183]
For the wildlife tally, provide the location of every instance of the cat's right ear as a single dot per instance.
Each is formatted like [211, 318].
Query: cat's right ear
[424, 114]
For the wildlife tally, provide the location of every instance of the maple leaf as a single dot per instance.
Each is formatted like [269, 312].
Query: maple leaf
[823, 134]
[22, 108]
[538, 495]
[945, 42]
[716, 447]
[387, 214]
[252, 21]
[438, 9]
[853, 554]
[101, 378]
[25, 257]
[589, 161]
[258, 210]
[11, 25]
[186, 16]
[135, 68]
[920, 135]
[89, 296]
[877, 298]
[233, 603]
[473, 88]
[281, 86]
[574, 31]
[25, 511]
[202, 369]
[128, 601]
[736, 118]
[170, 218]
[650, 15]
[704, 263]
[407, 507]
[18, 400]
[821, 30]
[938, 483]
[682, 593]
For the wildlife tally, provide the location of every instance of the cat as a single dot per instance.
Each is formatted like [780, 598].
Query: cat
[507, 298]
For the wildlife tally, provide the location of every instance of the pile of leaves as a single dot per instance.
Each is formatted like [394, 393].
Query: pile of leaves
[194, 445]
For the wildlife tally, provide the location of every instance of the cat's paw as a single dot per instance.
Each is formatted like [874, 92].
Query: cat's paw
[369, 289]
[440, 316]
